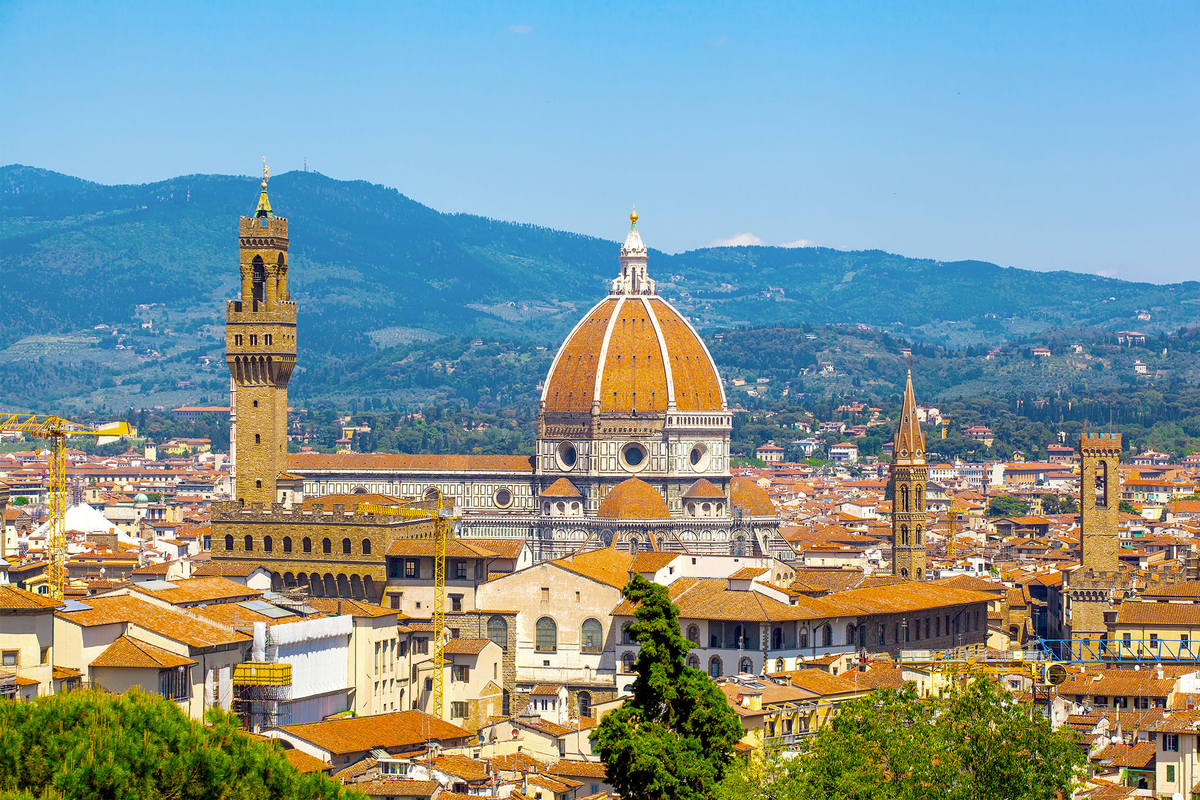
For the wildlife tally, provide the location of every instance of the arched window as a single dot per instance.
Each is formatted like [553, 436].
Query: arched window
[904, 498]
[693, 634]
[850, 634]
[307, 544]
[268, 544]
[1101, 484]
[904, 572]
[627, 634]
[919, 571]
[827, 636]
[498, 632]
[591, 636]
[779, 665]
[804, 637]
[249, 544]
[258, 279]
[627, 661]
[228, 542]
[919, 535]
[547, 636]
[904, 535]
[585, 703]
[326, 546]
[693, 662]
[739, 545]
[366, 547]
[345, 547]
[920, 506]
[777, 639]
[287, 544]
[746, 665]
[714, 667]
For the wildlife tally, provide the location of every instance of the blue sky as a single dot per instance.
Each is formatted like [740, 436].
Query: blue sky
[1038, 135]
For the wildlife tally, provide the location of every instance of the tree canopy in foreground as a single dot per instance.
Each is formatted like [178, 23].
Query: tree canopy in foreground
[673, 739]
[977, 743]
[137, 746]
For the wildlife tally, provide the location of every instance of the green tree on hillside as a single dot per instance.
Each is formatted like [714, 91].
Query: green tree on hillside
[1007, 506]
[673, 739]
[892, 745]
[137, 746]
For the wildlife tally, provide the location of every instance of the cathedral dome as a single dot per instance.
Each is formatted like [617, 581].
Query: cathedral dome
[633, 499]
[633, 353]
[747, 495]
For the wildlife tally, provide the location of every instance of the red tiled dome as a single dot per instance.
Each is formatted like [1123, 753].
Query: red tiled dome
[633, 499]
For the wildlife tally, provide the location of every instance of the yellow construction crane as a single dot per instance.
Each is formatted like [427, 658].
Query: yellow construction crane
[952, 539]
[443, 523]
[55, 431]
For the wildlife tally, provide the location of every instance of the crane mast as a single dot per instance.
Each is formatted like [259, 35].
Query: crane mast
[54, 430]
[443, 521]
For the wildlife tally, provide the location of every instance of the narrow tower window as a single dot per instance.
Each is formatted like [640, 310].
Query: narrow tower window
[1101, 484]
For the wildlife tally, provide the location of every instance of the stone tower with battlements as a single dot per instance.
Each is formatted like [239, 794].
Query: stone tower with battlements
[260, 349]
[1099, 500]
[909, 474]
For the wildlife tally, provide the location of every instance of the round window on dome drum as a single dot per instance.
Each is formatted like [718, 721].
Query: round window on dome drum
[566, 456]
[502, 498]
[633, 457]
[698, 458]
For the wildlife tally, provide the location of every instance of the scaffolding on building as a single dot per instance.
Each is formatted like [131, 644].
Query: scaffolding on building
[262, 694]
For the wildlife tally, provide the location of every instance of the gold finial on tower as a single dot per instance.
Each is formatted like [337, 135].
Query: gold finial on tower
[633, 217]
[266, 173]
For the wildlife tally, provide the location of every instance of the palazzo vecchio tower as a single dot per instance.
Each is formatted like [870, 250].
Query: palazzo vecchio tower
[260, 349]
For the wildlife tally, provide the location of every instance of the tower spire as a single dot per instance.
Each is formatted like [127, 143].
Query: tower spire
[909, 443]
[264, 204]
[633, 278]
[909, 474]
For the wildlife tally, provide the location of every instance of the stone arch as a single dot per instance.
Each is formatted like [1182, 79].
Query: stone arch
[331, 589]
[746, 665]
[346, 546]
[366, 547]
[356, 587]
[248, 543]
[268, 544]
[289, 580]
[343, 585]
[276, 582]
[228, 542]
[369, 588]
[715, 669]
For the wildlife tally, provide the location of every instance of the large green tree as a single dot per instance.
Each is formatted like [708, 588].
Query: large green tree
[673, 739]
[975, 744]
[137, 746]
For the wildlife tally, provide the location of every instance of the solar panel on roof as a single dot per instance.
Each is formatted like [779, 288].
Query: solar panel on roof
[266, 609]
[74, 605]
[156, 586]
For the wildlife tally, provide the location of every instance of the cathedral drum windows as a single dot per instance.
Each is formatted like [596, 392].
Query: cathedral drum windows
[503, 498]
[566, 456]
[634, 457]
[698, 458]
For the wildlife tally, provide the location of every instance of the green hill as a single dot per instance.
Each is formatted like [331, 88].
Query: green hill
[379, 276]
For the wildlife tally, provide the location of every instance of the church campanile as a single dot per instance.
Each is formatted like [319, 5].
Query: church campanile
[909, 472]
[260, 349]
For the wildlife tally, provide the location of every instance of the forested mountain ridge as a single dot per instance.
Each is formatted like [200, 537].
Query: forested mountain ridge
[372, 267]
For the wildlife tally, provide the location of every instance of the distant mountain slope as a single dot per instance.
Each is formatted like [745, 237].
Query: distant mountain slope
[372, 267]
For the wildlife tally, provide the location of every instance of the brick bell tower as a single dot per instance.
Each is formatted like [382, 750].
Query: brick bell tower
[909, 473]
[1099, 500]
[260, 349]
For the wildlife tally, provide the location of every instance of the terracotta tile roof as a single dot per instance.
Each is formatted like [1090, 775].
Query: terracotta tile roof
[504, 548]
[829, 579]
[578, 769]
[633, 499]
[401, 729]
[651, 562]
[545, 690]
[397, 787]
[1117, 683]
[153, 569]
[551, 728]
[462, 767]
[1134, 613]
[823, 683]
[748, 573]
[356, 608]
[466, 646]
[697, 385]
[517, 762]
[561, 488]
[303, 762]
[13, 598]
[236, 616]
[1136, 756]
[747, 495]
[703, 489]
[169, 622]
[902, 597]
[426, 546]
[1179, 722]
[201, 590]
[352, 501]
[971, 583]
[713, 599]
[302, 462]
[607, 565]
[238, 569]
[133, 653]
[63, 673]
[571, 384]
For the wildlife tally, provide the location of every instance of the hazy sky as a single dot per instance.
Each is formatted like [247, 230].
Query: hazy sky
[1041, 135]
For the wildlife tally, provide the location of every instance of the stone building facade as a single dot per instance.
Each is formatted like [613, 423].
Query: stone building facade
[909, 473]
